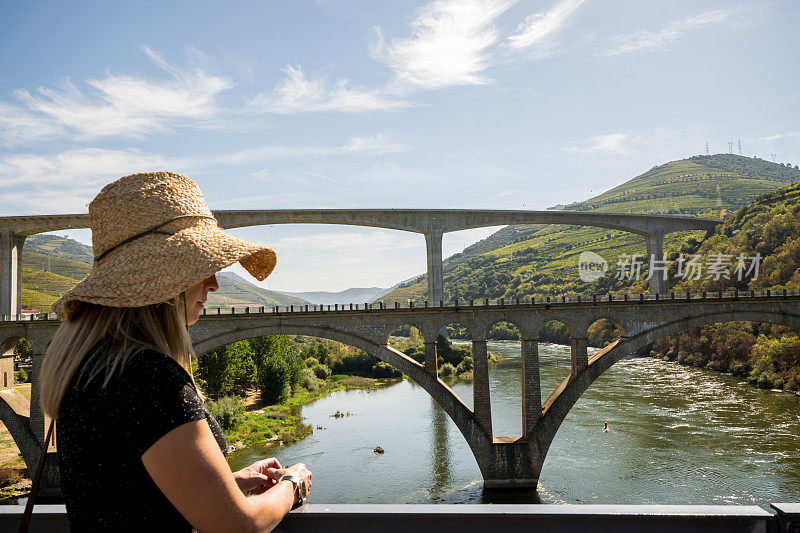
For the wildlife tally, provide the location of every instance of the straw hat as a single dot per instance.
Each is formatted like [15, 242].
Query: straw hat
[153, 237]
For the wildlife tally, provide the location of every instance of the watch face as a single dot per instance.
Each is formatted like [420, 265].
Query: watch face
[303, 490]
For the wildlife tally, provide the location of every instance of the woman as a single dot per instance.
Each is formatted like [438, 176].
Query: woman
[137, 449]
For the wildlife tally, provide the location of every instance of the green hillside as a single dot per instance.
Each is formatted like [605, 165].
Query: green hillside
[539, 260]
[56, 245]
[234, 291]
[768, 355]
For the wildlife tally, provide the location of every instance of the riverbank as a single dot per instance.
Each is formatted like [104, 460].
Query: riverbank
[282, 424]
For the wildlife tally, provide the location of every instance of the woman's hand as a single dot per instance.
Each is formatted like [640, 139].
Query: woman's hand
[298, 470]
[258, 477]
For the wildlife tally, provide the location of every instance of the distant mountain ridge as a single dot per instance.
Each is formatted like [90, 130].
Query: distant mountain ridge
[354, 295]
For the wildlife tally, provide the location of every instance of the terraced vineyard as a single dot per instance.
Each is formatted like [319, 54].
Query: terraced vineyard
[525, 261]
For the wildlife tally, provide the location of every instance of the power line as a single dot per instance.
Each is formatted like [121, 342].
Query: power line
[730, 147]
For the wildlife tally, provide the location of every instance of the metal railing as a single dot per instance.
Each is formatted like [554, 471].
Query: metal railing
[479, 518]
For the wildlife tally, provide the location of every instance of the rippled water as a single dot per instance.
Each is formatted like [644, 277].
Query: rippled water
[676, 435]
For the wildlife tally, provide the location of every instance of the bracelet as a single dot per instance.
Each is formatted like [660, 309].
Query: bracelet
[300, 489]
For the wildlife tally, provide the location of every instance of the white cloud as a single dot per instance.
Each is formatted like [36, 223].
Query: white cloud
[83, 167]
[449, 44]
[67, 181]
[378, 144]
[645, 40]
[297, 93]
[118, 104]
[78, 174]
[612, 143]
[536, 32]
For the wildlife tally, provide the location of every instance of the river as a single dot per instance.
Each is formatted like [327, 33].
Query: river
[677, 435]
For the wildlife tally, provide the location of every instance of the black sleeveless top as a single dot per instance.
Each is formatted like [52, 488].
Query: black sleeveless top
[102, 434]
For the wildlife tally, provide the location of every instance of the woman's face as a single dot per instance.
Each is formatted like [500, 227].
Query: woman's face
[196, 296]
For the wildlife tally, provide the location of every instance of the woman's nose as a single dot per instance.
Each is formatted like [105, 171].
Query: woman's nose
[211, 284]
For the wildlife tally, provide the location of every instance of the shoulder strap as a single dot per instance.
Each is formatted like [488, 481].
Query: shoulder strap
[26, 517]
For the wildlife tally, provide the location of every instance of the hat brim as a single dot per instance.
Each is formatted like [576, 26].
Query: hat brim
[158, 267]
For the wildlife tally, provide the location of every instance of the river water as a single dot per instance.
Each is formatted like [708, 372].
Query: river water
[677, 435]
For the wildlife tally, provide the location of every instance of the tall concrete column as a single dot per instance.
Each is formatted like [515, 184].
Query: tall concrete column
[481, 401]
[580, 355]
[10, 269]
[433, 243]
[430, 359]
[655, 251]
[531, 385]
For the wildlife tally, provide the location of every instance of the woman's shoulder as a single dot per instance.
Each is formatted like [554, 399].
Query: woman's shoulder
[154, 366]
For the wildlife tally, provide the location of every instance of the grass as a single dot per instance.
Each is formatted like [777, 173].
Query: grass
[282, 424]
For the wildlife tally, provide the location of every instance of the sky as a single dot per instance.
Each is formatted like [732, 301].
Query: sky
[484, 104]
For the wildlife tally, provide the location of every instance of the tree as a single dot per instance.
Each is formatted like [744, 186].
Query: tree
[227, 370]
[22, 349]
[279, 367]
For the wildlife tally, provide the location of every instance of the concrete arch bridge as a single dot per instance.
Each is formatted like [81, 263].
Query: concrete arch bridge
[503, 460]
[432, 223]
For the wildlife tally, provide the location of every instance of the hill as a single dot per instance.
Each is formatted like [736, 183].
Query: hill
[540, 260]
[768, 355]
[55, 245]
[235, 291]
[365, 294]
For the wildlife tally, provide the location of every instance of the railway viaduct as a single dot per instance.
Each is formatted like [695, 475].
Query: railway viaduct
[504, 461]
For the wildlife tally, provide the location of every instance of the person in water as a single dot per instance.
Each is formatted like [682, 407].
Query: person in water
[137, 449]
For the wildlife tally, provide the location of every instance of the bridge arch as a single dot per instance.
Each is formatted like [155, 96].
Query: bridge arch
[413, 324]
[455, 408]
[572, 388]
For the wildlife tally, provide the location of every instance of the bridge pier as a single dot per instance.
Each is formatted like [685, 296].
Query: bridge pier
[433, 244]
[512, 465]
[580, 354]
[481, 401]
[430, 359]
[10, 269]
[655, 252]
[531, 385]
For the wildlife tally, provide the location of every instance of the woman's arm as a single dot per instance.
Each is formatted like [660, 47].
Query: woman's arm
[189, 468]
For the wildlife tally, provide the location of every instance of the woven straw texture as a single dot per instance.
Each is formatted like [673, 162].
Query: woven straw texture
[156, 267]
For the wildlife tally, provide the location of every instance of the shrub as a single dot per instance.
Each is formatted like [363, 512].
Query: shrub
[447, 370]
[464, 366]
[228, 411]
[310, 381]
[321, 371]
[9, 476]
[384, 370]
[21, 376]
[311, 362]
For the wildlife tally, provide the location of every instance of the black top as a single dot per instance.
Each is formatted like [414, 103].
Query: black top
[102, 434]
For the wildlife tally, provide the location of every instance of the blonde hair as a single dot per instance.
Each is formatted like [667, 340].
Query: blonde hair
[129, 330]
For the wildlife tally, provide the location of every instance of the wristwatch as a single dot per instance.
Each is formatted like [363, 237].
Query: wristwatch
[300, 489]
